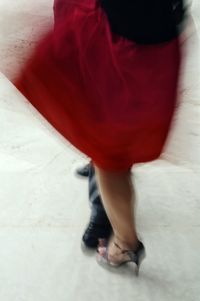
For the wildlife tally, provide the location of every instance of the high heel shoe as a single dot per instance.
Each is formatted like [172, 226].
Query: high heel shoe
[135, 256]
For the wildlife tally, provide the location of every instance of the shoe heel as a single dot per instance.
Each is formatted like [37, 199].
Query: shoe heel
[141, 257]
[137, 270]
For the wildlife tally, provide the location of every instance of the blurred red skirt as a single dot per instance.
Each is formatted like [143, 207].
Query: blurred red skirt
[112, 99]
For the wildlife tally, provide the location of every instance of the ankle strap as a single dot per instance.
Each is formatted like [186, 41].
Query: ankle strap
[123, 251]
[139, 246]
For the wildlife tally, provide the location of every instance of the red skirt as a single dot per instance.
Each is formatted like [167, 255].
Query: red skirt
[111, 98]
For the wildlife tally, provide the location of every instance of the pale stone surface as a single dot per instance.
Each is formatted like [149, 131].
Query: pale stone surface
[43, 207]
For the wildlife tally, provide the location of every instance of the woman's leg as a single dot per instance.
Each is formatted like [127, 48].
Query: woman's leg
[118, 198]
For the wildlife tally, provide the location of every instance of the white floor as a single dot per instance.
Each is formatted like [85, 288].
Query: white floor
[44, 208]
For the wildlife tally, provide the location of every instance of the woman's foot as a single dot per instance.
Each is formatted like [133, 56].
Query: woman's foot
[117, 253]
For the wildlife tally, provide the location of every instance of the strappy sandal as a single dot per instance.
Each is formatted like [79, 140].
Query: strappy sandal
[130, 256]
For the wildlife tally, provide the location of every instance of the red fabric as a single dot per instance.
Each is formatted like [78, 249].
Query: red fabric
[112, 99]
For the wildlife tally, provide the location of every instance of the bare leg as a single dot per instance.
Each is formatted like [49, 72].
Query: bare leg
[118, 197]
